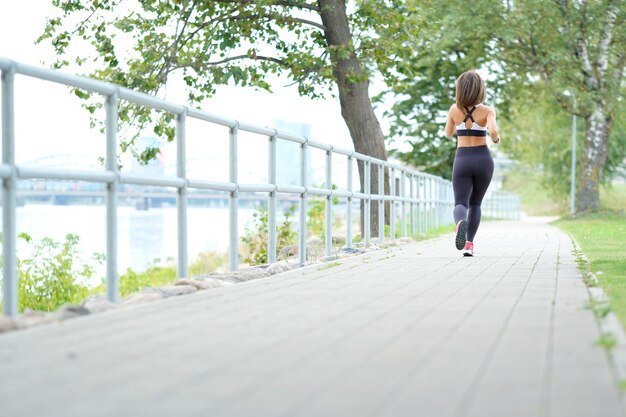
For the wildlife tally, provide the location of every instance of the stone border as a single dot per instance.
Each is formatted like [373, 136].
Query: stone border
[98, 303]
[607, 321]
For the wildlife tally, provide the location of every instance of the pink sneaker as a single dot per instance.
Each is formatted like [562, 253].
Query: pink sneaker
[468, 250]
[460, 232]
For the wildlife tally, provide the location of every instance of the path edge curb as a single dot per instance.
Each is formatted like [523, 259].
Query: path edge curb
[609, 323]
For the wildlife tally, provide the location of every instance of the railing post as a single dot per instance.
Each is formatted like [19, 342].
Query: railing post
[381, 202]
[412, 203]
[418, 195]
[430, 202]
[392, 203]
[436, 202]
[181, 197]
[433, 203]
[303, 196]
[349, 206]
[494, 200]
[440, 202]
[233, 202]
[498, 208]
[9, 268]
[329, 204]
[271, 204]
[495, 205]
[433, 197]
[368, 191]
[112, 284]
[504, 201]
[449, 212]
[403, 195]
[505, 207]
[426, 204]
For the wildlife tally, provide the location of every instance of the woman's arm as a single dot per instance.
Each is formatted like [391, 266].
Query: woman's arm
[492, 125]
[450, 128]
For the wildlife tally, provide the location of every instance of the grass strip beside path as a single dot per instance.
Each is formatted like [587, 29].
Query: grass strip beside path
[602, 237]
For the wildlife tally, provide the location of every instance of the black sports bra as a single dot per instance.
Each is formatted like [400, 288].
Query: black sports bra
[475, 130]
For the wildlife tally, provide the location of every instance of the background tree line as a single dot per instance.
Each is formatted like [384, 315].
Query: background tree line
[532, 50]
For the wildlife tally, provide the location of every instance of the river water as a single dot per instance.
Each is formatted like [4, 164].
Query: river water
[143, 235]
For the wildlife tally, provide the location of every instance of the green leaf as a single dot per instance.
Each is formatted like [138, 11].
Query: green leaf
[82, 94]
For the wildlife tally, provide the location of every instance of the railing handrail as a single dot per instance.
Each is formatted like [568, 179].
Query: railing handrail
[430, 196]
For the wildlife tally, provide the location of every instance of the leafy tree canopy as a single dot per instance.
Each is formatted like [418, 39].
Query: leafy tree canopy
[141, 44]
[422, 82]
[522, 45]
[540, 137]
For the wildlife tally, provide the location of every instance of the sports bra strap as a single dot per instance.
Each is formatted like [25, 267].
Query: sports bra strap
[469, 114]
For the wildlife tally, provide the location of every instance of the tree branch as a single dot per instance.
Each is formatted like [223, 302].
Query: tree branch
[285, 3]
[306, 6]
[619, 68]
[274, 17]
[310, 70]
[227, 17]
[582, 52]
[605, 38]
[175, 47]
[309, 22]
[258, 57]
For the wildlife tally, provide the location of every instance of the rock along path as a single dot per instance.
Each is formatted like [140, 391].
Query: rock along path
[415, 330]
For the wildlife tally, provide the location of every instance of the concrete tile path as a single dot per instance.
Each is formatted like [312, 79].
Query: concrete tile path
[416, 330]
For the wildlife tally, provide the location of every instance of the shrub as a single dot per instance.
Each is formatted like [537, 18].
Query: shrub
[316, 215]
[54, 274]
[154, 276]
[207, 262]
[255, 237]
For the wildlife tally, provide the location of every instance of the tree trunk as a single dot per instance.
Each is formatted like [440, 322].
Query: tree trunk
[356, 106]
[593, 159]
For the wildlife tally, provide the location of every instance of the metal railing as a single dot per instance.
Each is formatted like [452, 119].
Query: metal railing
[501, 205]
[425, 201]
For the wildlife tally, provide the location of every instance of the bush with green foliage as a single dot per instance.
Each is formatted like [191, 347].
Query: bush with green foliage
[163, 273]
[207, 262]
[154, 276]
[316, 215]
[255, 237]
[54, 274]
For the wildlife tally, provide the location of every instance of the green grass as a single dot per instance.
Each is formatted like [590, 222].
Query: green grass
[602, 237]
[613, 197]
[328, 265]
[433, 233]
[607, 341]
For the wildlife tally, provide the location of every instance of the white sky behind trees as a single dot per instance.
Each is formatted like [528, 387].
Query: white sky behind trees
[50, 120]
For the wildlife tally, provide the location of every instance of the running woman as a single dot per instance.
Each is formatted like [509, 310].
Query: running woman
[473, 165]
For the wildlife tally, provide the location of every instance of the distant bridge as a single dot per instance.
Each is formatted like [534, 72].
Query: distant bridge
[141, 200]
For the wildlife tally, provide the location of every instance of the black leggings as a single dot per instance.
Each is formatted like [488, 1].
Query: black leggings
[471, 175]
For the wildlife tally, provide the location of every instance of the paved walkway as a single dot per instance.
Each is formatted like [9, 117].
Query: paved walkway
[412, 331]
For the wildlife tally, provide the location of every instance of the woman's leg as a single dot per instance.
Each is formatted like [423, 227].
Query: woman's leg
[462, 186]
[481, 180]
